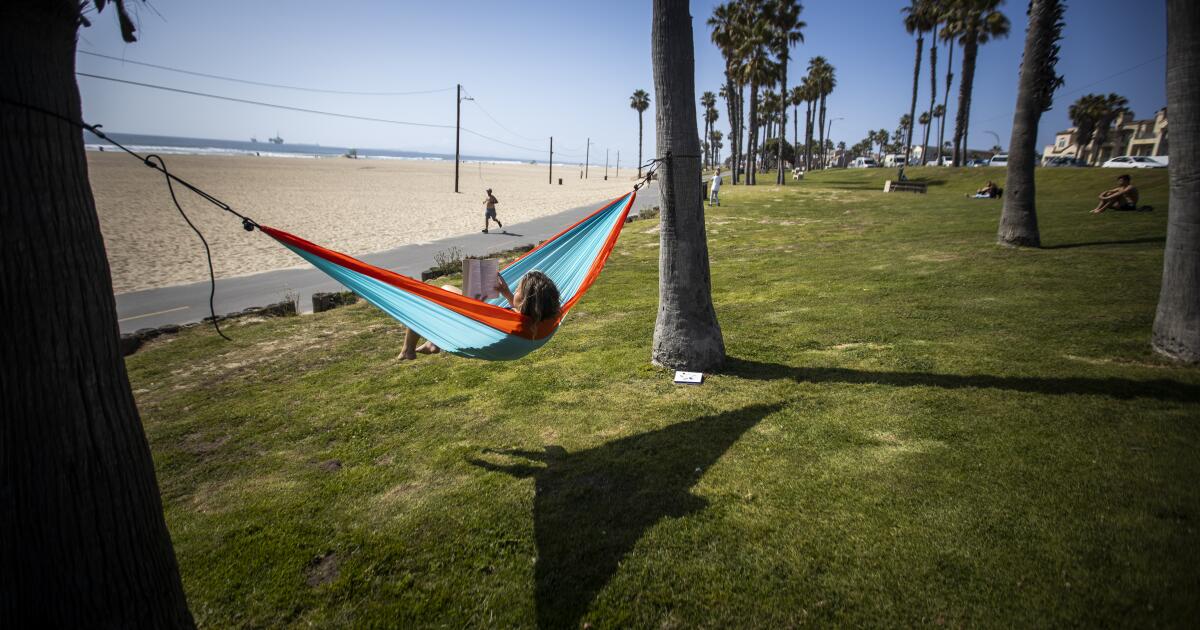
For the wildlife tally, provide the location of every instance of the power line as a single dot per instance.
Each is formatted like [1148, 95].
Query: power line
[475, 100]
[260, 83]
[264, 104]
[303, 109]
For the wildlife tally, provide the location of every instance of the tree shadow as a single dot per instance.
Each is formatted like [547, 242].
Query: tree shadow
[591, 507]
[1121, 388]
[1131, 241]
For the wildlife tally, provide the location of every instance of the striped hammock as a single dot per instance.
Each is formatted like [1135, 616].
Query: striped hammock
[471, 328]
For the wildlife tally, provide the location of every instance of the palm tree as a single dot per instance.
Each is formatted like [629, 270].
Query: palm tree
[758, 70]
[973, 22]
[1110, 107]
[935, 10]
[795, 97]
[1085, 114]
[726, 31]
[709, 101]
[786, 32]
[714, 140]
[881, 138]
[825, 79]
[1035, 94]
[841, 146]
[1177, 320]
[85, 543]
[640, 101]
[939, 112]
[925, 119]
[947, 35]
[686, 333]
[812, 94]
[918, 18]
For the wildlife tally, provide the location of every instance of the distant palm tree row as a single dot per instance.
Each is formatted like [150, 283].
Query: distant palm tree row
[755, 38]
[1093, 116]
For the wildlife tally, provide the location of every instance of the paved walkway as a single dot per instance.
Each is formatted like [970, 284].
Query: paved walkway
[187, 303]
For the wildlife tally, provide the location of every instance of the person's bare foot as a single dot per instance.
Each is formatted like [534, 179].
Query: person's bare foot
[407, 356]
[428, 348]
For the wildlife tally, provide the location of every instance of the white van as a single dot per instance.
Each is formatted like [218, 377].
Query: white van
[864, 162]
[892, 160]
[1000, 159]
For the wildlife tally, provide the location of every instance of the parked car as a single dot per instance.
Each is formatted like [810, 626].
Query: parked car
[1000, 159]
[1064, 162]
[864, 162]
[892, 160]
[945, 161]
[1133, 161]
[1165, 160]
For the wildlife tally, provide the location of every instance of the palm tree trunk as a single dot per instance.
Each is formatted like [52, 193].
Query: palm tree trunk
[82, 536]
[783, 98]
[795, 135]
[821, 131]
[1177, 320]
[741, 123]
[686, 333]
[808, 134]
[730, 111]
[932, 92]
[1018, 220]
[970, 46]
[752, 136]
[639, 143]
[946, 100]
[912, 108]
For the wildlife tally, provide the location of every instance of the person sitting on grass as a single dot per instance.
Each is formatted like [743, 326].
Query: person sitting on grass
[990, 191]
[536, 298]
[1123, 197]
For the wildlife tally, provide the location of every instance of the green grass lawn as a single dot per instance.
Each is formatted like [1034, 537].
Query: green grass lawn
[915, 427]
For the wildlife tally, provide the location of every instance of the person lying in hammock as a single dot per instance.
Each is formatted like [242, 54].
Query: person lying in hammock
[536, 297]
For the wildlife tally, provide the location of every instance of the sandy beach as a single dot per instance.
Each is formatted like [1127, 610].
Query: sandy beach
[353, 206]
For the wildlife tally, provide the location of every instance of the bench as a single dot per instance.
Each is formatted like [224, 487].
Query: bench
[914, 187]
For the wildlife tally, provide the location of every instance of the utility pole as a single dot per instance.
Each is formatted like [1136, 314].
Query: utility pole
[551, 181]
[618, 175]
[586, 157]
[457, 131]
[606, 165]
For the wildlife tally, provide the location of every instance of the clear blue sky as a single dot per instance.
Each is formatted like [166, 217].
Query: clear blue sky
[553, 68]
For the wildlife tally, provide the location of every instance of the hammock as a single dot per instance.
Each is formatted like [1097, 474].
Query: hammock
[467, 327]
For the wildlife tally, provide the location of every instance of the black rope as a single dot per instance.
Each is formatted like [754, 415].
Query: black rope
[212, 277]
[160, 166]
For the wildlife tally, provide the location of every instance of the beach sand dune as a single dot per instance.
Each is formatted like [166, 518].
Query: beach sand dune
[353, 206]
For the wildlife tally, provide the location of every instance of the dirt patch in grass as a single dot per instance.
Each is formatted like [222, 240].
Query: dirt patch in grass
[323, 569]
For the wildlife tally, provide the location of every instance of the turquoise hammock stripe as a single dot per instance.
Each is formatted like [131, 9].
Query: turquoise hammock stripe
[567, 260]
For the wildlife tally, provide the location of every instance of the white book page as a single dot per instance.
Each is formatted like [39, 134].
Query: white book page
[489, 270]
[471, 278]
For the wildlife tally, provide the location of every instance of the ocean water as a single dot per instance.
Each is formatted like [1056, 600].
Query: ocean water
[206, 146]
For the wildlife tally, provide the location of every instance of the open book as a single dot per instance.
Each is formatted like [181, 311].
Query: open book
[479, 277]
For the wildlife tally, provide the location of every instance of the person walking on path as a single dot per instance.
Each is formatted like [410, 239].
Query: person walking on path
[489, 212]
[714, 198]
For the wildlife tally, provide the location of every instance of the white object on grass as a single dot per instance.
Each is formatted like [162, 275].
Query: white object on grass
[688, 378]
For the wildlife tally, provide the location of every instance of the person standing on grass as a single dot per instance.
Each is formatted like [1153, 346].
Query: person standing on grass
[489, 212]
[1123, 197]
[714, 198]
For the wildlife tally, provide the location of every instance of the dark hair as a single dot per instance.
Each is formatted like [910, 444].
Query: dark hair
[489, 190]
[539, 297]
[1122, 177]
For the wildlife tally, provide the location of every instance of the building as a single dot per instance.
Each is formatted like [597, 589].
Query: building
[1127, 137]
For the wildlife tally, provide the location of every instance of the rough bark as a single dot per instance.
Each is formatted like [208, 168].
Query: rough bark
[83, 541]
[1018, 220]
[640, 160]
[808, 134]
[686, 333]
[970, 47]
[912, 108]
[1177, 320]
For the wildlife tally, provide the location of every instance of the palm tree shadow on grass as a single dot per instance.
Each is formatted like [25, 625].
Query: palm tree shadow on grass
[1113, 387]
[1131, 241]
[591, 507]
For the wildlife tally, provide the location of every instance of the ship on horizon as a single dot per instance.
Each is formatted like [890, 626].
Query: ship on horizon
[276, 140]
